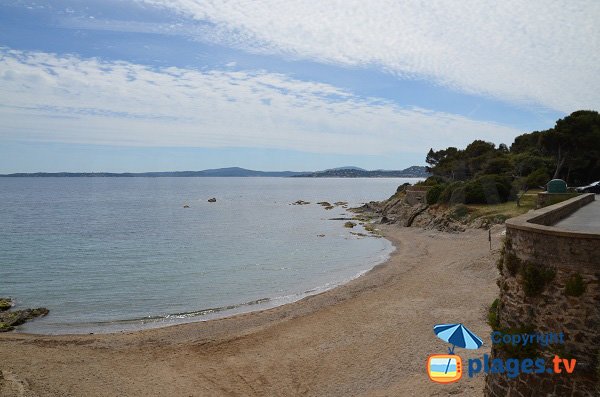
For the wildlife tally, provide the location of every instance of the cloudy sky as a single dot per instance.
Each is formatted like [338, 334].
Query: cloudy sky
[148, 85]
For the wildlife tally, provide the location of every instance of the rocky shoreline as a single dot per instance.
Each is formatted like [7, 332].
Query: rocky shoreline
[9, 318]
[399, 210]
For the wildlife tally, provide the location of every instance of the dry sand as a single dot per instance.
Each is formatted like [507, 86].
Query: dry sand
[370, 337]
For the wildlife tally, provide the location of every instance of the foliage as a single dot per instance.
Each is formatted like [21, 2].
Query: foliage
[493, 317]
[570, 150]
[537, 178]
[512, 263]
[434, 194]
[575, 286]
[535, 278]
[487, 189]
[530, 350]
[460, 211]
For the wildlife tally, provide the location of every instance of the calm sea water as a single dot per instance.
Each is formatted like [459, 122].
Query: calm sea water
[109, 254]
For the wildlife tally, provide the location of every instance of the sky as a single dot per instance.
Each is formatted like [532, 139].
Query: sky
[157, 85]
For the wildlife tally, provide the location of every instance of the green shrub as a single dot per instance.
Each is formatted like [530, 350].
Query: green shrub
[434, 194]
[519, 351]
[488, 189]
[402, 187]
[575, 285]
[452, 193]
[512, 263]
[537, 178]
[432, 181]
[460, 211]
[535, 278]
[493, 315]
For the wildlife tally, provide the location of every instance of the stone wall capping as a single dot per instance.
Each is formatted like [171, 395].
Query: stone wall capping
[541, 220]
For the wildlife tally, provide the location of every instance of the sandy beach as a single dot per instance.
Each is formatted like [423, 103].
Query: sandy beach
[370, 337]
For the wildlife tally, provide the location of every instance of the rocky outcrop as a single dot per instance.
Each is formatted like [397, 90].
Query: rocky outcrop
[398, 210]
[9, 319]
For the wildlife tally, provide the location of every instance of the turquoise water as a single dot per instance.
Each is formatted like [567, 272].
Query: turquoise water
[109, 254]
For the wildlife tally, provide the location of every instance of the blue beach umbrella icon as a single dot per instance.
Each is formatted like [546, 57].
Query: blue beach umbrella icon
[457, 335]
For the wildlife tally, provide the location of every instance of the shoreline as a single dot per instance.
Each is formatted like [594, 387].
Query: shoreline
[361, 320]
[212, 314]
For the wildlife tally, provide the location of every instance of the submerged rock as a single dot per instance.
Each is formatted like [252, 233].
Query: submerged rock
[5, 304]
[349, 224]
[324, 203]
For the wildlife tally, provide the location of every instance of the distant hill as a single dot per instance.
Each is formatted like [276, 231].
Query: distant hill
[342, 172]
[219, 172]
[349, 167]
[410, 172]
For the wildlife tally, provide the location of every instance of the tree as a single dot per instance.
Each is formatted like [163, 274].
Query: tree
[575, 145]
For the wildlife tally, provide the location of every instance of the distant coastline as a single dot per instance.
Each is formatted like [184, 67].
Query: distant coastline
[343, 172]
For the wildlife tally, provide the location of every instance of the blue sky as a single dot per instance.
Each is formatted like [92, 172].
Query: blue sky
[186, 85]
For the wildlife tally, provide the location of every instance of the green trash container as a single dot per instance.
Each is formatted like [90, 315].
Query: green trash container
[556, 186]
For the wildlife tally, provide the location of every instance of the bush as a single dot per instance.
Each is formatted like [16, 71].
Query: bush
[434, 194]
[488, 189]
[537, 178]
[432, 181]
[402, 187]
[530, 350]
[448, 192]
[512, 263]
[535, 278]
[498, 165]
[493, 317]
[575, 285]
[460, 211]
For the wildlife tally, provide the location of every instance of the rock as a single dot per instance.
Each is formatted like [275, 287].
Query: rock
[349, 224]
[359, 234]
[5, 304]
[10, 319]
[186, 206]
[341, 203]
[301, 202]
[320, 235]
[324, 203]
[329, 207]
[212, 200]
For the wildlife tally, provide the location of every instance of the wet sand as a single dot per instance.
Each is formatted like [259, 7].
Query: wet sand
[370, 337]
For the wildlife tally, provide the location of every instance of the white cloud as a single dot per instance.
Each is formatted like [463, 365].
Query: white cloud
[538, 52]
[68, 99]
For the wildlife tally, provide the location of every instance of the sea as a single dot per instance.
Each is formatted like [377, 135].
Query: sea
[118, 254]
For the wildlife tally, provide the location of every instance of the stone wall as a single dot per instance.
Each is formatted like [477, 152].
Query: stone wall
[539, 268]
[544, 198]
[416, 195]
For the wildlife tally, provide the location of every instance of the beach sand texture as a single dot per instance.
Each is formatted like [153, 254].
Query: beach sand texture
[370, 337]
